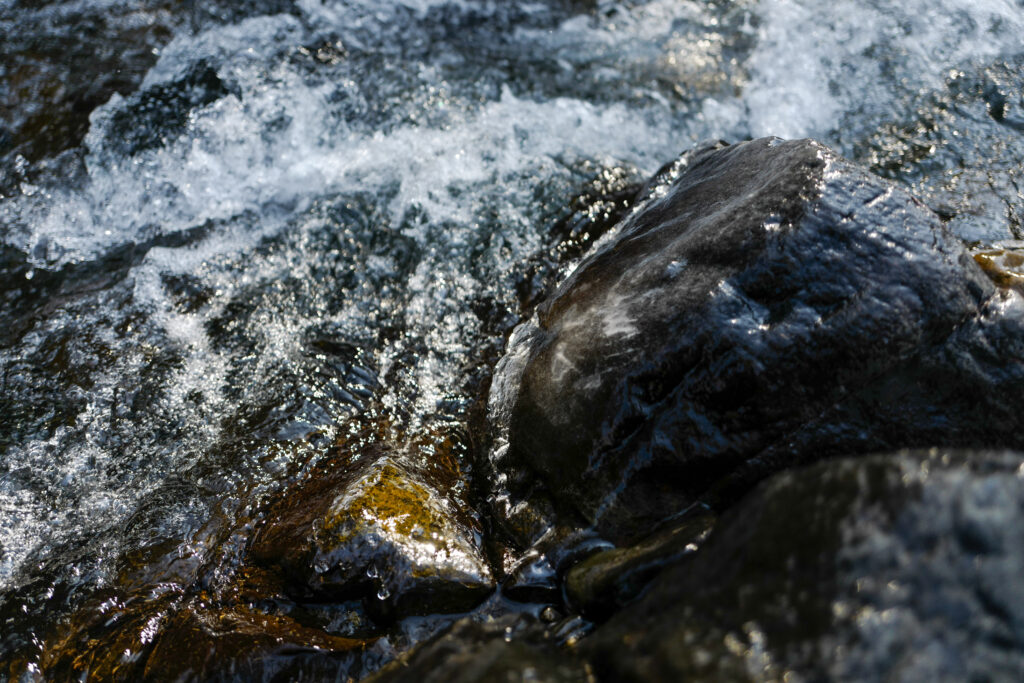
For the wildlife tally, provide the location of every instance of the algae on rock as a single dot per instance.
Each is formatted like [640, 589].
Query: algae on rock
[369, 525]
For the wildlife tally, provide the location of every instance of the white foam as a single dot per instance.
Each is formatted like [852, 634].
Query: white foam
[816, 64]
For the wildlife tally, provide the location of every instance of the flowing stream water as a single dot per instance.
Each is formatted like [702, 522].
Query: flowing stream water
[290, 214]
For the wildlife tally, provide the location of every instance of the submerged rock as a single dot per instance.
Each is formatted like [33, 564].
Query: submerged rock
[972, 180]
[900, 567]
[142, 629]
[244, 645]
[769, 304]
[371, 526]
[61, 60]
[106, 641]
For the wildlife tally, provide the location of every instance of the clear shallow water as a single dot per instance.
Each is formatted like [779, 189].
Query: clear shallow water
[300, 216]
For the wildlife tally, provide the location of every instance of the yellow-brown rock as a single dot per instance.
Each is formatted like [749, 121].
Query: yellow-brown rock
[376, 528]
[1004, 265]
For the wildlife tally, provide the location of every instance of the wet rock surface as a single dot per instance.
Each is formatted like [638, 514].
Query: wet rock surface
[514, 648]
[369, 525]
[153, 631]
[239, 644]
[769, 305]
[608, 580]
[231, 231]
[901, 566]
[968, 179]
[1003, 263]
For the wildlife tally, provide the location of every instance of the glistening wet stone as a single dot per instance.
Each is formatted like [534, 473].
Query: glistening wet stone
[972, 180]
[515, 647]
[370, 526]
[770, 304]
[900, 566]
[240, 644]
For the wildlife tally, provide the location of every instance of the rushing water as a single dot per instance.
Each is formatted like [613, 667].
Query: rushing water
[292, 213]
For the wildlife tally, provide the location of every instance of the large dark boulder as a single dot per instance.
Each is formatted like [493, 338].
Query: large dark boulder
[768, 304]
[901, 566]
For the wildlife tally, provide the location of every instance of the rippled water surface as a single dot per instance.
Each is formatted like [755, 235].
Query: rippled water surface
[227, 230]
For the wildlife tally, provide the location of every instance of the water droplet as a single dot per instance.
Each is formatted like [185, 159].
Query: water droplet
[383, 593]
[371, 571]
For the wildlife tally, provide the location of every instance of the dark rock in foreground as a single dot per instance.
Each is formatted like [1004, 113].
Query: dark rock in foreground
[896, 567]
[370, 526]
[771, 304]
[512, 648]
